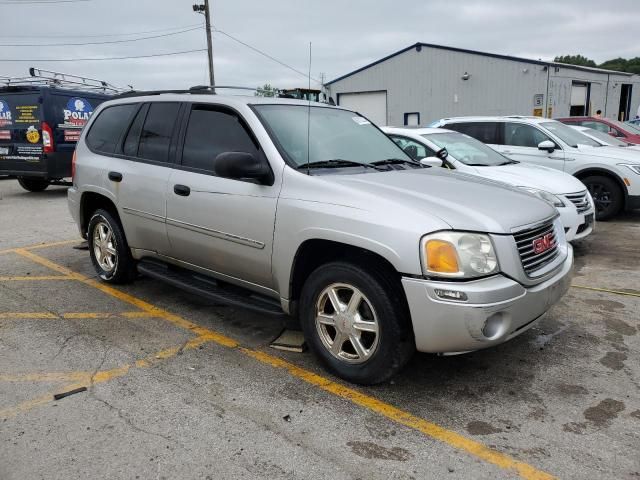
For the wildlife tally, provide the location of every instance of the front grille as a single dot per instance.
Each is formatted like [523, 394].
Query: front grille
[580, 200]
[532, 261]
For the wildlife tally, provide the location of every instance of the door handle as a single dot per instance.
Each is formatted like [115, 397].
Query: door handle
[181, 190]
[115, 176]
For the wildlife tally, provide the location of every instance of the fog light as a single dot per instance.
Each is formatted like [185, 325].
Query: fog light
[451, 295]
[493, 326]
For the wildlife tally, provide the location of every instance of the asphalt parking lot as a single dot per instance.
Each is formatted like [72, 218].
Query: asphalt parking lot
[178, 387]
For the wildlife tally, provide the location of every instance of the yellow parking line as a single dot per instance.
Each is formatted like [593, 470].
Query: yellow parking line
[395, 414]
[34, 277]
[606, 290]
[72, 315]
[27, 315]
[47, 377]
[38, 246]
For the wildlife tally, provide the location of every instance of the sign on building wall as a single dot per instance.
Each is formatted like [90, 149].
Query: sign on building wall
[538, 100]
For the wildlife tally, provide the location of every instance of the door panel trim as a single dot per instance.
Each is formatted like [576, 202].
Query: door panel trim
[248, 242]
[140, 213]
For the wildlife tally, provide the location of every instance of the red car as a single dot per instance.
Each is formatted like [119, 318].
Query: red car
[623, 131]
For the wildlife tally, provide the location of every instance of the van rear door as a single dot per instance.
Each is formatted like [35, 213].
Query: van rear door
[21, 147]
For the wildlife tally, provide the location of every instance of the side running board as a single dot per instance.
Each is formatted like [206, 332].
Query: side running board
[207, 287]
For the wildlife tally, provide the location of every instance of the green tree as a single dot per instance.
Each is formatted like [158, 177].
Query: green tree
[623, 65]
[266, 91]
[575, 60]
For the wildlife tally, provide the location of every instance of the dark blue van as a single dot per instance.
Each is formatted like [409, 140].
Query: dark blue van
[39, 128]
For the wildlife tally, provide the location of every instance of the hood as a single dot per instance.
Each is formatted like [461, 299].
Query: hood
[615, 154]
[464, 202]
[533, 176]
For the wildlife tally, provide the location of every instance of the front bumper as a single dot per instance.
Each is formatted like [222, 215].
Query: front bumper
[577, 225]
[633, 202]
[498, 309]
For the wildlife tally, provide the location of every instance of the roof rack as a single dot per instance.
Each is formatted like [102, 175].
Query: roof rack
[46, 78]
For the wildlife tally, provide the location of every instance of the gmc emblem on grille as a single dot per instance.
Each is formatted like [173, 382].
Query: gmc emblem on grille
[542, 244]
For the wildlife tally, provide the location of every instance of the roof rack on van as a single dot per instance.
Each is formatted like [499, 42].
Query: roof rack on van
[45, 78]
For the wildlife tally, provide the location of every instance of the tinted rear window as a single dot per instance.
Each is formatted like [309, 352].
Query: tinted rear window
[486, 132]
[157, 131]
[108, 127]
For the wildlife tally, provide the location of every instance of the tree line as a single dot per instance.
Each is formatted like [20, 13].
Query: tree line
[620, 64]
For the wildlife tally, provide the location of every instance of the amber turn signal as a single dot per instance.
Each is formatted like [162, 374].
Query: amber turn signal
[441, 257]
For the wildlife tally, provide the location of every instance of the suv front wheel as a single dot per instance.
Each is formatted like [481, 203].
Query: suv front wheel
[606, 194]
[108, 248]
[355, 321]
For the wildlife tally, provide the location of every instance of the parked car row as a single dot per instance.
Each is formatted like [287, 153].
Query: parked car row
[308, 210]
[609, 173]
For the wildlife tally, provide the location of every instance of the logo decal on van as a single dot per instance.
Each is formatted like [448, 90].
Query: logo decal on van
[5, 114]
[77, 113]
[33, 135]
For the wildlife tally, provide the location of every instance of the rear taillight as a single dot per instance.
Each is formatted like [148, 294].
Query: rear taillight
[73, 166]
[47, 138]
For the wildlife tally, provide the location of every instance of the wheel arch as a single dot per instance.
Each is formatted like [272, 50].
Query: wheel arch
[89, 203]
[315, 252]
[605, 173]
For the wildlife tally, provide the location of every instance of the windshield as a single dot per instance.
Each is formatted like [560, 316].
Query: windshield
[626, 127]
[333, 135]
[568, 135]
[606, 138]
[466, 149]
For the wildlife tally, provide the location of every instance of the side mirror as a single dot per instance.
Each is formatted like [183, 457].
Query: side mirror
[442, 154]
[242, 165]
[547, 145]
[431, 161]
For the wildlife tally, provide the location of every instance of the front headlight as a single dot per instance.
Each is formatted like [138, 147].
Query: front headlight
[633, 167]
[458, 255]
[546, 196]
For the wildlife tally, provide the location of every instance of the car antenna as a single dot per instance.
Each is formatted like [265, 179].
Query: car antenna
[309, 113]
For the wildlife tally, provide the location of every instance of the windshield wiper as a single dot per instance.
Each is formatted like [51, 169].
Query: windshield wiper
[508, 162]
[335, 163]
[397, 161]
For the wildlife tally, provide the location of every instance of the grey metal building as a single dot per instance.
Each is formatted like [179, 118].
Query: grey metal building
[425, 82]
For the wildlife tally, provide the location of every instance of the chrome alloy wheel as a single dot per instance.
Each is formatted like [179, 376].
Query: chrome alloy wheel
[347, 323]
[104, 247]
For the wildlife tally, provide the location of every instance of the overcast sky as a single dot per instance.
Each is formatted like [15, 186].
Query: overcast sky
[345, 34]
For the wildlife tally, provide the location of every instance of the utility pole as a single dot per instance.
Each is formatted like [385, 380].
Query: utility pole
[206, 11]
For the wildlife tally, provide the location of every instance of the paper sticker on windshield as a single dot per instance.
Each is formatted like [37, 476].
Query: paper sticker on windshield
[361, 120]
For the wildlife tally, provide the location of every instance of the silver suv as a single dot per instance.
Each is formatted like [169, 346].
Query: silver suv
[310, 211]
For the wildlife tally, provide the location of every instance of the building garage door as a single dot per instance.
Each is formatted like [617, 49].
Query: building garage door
[372, 105]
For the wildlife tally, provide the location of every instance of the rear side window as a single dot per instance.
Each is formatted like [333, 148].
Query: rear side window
[130, 147]
[107, 129]
[486, 132]
[211, 132]
[523, 135]
[157, 131]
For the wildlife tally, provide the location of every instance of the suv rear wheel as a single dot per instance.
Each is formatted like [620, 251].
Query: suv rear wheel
[355, 323]
[33, 184]
[607, 196]
[109, 250]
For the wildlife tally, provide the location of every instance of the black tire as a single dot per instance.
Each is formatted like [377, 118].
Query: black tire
[124, 267]
[395, 343]
[33, 184]
[607, 196]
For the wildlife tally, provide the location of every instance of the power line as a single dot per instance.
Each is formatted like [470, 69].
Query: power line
[98, 43]
[99, 58]
[28, 2]
[105, 34]
[215, 30]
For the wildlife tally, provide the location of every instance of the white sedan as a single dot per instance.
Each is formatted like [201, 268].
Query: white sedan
[467, 155]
